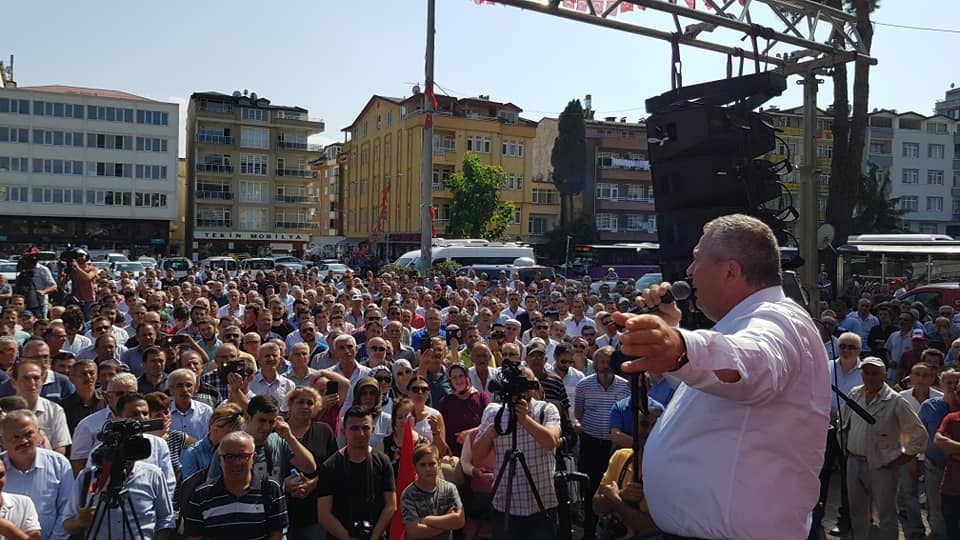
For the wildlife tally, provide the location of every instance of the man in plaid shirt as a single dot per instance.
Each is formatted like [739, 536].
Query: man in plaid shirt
[538, 435]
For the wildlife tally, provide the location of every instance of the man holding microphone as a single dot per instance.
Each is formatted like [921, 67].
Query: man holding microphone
[749, 422]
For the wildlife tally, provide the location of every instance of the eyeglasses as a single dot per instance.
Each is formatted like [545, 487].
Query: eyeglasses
[405, 372]
[232, 336]
[384, 379]
[848, 347]
[378, 349]
[420, 389]
[237, 458]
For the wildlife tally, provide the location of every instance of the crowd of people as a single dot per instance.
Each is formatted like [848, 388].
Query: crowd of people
[284, 402]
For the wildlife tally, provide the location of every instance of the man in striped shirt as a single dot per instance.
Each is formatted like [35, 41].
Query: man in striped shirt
[238, 505]
[595, 396]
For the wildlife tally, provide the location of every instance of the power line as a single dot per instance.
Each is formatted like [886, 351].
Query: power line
[923, 28]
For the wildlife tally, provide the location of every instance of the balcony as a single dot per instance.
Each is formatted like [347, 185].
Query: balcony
[214, 168]
[299, 147]
[298, 225]
[217, 223]
[881, 133]
[214, 139]
[318, 123]
[881, 160]
[214, 195]
[635, 142]
[297, 199]
[955, 192]
[624, 204]
[295, 173]
[956, 164]
[611, 173]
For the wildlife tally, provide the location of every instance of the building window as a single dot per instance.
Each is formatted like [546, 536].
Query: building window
[19, 164]
[607, 222]
[57, 195]
[911, 150]
[935, 151]
[19, 135]
[150, 200]
[253, 219]
[101, 168]
[255, 192]
[440, 176]
[909, 203]
[517, 216]
[108, 141]
[215, 106]
[14, 194]
[825, 150]
[911, 176]
[65, 167]
[935, 204]
[823, 179]
[545, 196]
[52, 138]
[608, 191]
[152, 172]
[253, 164]
[937, 128]
[151, 144]
[109, 198]
[935, 177]
[21, 106]
[110, 114]
[538, 225]
[254, 115]
[389, 119]
[154, 118]
[255, 138]
[486, 145]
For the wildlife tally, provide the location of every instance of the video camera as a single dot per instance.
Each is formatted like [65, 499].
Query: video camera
[72, 254]
[510, 384]
[121, 443]
[237, 366]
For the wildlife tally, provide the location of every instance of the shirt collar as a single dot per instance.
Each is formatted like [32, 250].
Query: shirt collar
[748, 305]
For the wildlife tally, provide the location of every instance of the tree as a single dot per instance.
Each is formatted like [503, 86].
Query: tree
[849, 129]
[876, 212]
[582, 230]
[477, 211]
[568, 157]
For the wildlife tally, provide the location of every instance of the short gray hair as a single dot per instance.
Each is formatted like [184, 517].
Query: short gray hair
[344, 337]
[749, 242]
[18, 415]
[238, 436]
[182, 373]
[122, 379]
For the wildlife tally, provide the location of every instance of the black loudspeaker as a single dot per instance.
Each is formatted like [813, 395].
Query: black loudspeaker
[711, 181]
[691, 130]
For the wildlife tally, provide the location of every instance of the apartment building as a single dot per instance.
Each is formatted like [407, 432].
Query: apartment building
[326, 169]
[382, 166]
[86, 166]
[251, 188]
[917, 152]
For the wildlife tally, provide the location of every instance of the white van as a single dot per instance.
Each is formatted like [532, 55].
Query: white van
[180, 266]
[468, 252]
[227, 264]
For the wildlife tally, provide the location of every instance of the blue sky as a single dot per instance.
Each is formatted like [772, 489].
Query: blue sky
[330, 56]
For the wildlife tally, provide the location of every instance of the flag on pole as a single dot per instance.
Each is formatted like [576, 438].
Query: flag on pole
[405, 477]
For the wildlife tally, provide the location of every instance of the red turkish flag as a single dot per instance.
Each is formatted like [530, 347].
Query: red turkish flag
[405, 477]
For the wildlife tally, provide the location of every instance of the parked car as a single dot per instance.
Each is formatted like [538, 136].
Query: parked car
[334, 270]
[115, 257]
[228, 264]
[934, 295]
[255, 264]
[9, 271]
[181, 266]
[134, 267]
[288, 261]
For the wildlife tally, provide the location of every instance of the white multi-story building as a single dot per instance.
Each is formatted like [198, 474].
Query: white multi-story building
[86, 166]
[918, 153]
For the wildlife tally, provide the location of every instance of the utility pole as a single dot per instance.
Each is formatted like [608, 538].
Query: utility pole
[426, 173]
[809, 207]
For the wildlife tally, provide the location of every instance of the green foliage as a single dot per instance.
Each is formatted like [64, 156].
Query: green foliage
[395, 269]
[477, 210]
[583, 230]
[446, 268]
[569, 153]
[876, 212]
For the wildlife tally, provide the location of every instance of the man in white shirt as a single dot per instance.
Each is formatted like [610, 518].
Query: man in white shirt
[18, 516]
[577, 319]
[761, 365]
[28, 378]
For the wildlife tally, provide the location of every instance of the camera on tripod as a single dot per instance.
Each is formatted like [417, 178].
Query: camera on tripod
[510, 384]
[121, 442]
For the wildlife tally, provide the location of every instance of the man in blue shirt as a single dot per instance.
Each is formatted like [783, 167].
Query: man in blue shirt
[40, 474]
[932, 413]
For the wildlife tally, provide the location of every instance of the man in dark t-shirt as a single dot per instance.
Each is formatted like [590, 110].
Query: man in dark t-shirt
[356, 487]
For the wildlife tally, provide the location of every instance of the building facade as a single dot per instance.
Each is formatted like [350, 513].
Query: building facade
[619, 189]
[326, 168]
[917, 152]
[250, 186]
[381, 186]
[86, 166]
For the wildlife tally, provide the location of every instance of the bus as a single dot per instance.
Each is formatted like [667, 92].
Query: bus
[627, 260]
[916, 258]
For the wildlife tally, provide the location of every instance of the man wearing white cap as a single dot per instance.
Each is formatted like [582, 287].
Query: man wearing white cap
[875, 452]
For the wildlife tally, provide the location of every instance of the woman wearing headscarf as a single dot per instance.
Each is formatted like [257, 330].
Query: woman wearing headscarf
[402, 375]
[367, 395]
[461, 410]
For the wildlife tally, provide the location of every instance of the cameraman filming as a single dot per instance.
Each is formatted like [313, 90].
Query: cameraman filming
[538, 436]
[83, 278]
[147, 491]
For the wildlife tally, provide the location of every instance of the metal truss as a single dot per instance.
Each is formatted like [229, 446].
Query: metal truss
[806, 36]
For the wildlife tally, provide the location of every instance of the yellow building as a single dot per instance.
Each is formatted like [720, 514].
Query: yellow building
[383, 164]
[790, 122]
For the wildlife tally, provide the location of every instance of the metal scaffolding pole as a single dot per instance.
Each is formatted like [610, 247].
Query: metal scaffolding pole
[809, 199]
[426, 174]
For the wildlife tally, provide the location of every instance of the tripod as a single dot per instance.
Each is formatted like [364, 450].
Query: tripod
[112, 497]
[510, 459]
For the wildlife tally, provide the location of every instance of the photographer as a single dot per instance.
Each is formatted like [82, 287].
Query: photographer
[35, 282]
[357, 489]
[83, 277]
[538, 435]
[148, 489]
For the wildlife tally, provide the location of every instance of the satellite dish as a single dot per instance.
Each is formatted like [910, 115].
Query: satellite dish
[825, 235]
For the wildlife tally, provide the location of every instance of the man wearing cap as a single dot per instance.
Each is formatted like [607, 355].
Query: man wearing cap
[355, 316]
[877, 451]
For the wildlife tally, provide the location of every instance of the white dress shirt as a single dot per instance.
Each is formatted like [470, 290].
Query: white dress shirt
[741, 460]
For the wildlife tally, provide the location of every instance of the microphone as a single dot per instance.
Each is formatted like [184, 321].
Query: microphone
[679, 291]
